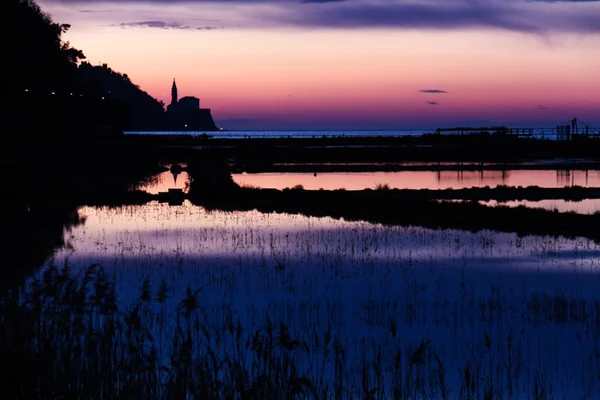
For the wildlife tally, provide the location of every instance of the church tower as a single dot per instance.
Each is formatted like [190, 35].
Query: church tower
[174, 93]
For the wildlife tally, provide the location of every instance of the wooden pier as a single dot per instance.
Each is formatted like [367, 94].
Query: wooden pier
[471, 130]
[560, 132]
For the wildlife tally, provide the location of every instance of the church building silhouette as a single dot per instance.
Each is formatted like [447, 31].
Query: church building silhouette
[185, 114]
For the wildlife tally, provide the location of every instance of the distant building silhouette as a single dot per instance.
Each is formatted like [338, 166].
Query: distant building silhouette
[174, 93]
[186, 114]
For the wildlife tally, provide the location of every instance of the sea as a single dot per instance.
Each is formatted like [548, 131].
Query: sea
[547, 133]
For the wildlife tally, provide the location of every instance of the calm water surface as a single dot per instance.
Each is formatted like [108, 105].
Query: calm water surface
[451, 287]
[414, 180]
[165, 181]
[421, 179]
[585, 206]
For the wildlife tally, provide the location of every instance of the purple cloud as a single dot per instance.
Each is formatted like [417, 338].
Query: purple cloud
[322, 1]
[453, 14]
[532, 16]
[432, 91]
[162, 25]
[432, 103]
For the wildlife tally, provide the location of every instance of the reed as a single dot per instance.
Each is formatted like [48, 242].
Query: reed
[65, 335]
[189, 303]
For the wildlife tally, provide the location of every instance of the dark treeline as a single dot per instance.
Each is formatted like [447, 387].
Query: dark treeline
[37, 57]
[144, 111]
[41, 71]
[61, 139]
[54, 96]
[64, 118]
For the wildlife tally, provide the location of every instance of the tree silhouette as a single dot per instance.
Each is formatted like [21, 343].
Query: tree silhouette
[36, 58]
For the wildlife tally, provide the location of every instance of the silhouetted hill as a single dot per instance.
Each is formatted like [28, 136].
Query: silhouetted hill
[42, 101]
[34, 56]
[145, 112]
[47, 93]
[50, 93]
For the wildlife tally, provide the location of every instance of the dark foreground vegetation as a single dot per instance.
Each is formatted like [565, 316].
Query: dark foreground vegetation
[65, 335]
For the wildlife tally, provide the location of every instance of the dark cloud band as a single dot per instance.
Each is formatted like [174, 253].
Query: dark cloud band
[533, 16]
[162, 25]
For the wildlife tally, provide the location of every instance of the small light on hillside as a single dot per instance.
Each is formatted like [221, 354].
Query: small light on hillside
[52, 93]
[27, 90]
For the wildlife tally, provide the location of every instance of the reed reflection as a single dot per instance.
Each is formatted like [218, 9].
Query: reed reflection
[351, 287]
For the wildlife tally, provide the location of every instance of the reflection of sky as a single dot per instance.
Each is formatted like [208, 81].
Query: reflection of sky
[167, 180]
[352, 276]
[585, 206]
[193, 231]
[421, 179]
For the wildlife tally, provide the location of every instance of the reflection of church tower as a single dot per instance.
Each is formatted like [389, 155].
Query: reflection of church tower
[174, 93]
[175, 174]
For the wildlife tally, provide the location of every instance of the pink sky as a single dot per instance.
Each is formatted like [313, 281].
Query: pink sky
[262, 69]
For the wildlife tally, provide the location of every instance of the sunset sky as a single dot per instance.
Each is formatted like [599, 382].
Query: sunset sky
[353, 64]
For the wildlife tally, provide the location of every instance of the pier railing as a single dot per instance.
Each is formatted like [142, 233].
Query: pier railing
[560, 132]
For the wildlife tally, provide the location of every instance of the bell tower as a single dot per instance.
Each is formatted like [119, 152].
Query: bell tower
[174, 93]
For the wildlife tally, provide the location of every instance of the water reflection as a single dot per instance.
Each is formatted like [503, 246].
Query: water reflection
[175, 178]
[314, 274]
[192, 231]
[421, 179]
[585, 206]
[37, 230]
